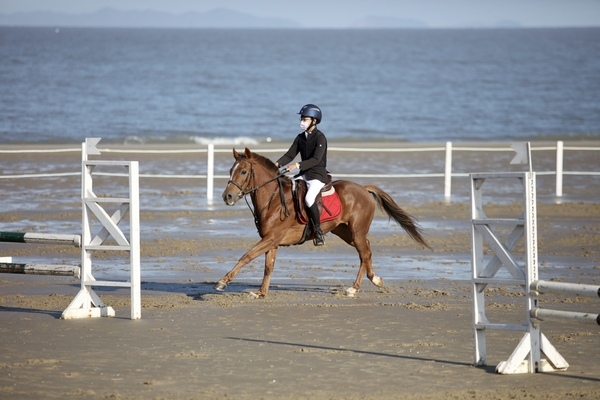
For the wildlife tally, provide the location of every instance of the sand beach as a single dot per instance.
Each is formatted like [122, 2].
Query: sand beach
[413, 339]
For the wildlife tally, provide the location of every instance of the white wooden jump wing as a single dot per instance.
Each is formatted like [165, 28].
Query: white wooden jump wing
[527, 355]
[87, 303]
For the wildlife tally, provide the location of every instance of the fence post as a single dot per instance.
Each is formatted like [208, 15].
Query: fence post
[210, 173]
[559, 168]
[448, 172]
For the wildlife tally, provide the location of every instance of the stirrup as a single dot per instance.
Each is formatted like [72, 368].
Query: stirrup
[319, 239]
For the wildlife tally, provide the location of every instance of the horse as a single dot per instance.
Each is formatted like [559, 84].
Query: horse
[272, 199]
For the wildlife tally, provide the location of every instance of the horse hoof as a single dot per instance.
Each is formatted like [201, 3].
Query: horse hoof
[377, 281]
[254, 295]
[350, 292]
[220, 286]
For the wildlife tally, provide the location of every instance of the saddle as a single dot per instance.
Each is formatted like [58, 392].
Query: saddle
[328, 202]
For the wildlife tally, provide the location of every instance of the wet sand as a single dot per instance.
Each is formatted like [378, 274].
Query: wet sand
[411, 340]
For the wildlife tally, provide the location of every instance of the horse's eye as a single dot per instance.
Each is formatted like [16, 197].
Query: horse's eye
[244, 172]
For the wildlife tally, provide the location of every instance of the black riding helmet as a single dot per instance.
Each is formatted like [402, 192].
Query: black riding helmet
[310, 110]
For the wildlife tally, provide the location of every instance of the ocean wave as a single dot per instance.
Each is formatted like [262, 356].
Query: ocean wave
[240, 140]
[202, 140]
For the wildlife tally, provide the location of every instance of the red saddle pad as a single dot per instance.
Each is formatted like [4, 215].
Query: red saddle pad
[332, 208]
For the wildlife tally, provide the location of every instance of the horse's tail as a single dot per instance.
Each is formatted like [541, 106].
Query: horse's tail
[393, 210]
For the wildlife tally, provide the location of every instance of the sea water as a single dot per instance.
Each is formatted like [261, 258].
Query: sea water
[246, 86]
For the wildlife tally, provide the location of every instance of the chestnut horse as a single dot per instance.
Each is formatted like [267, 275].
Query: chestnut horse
[275, 218]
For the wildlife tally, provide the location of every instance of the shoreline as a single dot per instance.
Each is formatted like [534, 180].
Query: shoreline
[281, 144]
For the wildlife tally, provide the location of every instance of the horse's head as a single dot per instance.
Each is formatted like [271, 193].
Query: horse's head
[240, 176]
[250, 173]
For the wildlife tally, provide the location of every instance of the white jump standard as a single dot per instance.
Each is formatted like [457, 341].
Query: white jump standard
[109, 237]
[527, 356]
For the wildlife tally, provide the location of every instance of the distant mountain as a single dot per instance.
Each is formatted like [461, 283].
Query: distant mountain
[216, 18]
[487, 25]
[378, 21]
[111, 18]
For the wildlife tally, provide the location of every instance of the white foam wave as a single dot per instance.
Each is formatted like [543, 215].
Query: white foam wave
[241, 140]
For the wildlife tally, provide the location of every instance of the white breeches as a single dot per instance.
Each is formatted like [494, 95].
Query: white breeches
[314, 186]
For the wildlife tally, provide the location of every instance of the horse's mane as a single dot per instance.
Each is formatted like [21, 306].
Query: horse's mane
[267, 163]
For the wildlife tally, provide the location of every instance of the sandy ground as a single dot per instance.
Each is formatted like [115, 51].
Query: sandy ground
[411, 340]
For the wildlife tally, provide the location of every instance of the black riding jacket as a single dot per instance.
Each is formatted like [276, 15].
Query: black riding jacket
[313, 151]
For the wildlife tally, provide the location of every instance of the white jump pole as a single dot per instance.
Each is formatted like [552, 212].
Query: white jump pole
[564, 288]
[580, 290]
[43, 238]
[7, 266]
[544, 314]
[40, 269]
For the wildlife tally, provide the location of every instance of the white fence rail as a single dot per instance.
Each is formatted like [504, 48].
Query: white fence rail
[448, 151]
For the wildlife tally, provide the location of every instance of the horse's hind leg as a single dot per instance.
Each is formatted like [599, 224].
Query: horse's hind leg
[366, 266]
[362, 245]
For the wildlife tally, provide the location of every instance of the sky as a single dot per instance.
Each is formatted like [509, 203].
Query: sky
[342, 13]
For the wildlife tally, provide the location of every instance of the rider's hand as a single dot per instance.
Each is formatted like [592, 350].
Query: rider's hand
[292, 167]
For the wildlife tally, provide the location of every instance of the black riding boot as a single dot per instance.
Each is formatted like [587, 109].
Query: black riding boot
[313, 214]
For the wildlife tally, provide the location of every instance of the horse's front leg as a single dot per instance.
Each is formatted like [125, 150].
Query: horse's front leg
[263, 246]
[269, 265]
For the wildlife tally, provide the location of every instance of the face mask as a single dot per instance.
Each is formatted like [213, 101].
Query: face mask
[304, 124]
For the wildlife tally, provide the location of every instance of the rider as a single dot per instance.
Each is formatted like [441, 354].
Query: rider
[312, 146]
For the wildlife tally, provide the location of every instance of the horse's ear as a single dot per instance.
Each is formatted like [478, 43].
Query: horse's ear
[236, 155]
[248, 153]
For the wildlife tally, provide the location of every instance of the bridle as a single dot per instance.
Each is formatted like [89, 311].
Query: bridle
[244, 192]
